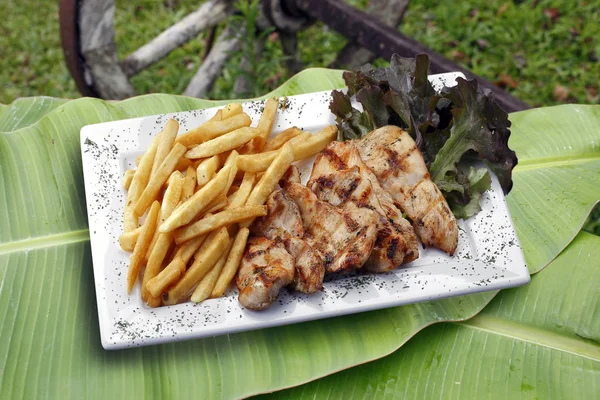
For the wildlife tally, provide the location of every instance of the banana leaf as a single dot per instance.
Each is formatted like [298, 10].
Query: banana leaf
[49, 338]
[538, 341]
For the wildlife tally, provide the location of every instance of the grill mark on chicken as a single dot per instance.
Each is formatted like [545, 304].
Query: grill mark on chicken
[336, 161]
[344, 237]
[396, 241]
[283, 221]
[397, 163]
[252, 254]
[266, 267]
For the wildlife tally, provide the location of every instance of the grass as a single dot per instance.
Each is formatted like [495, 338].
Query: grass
[544, 52]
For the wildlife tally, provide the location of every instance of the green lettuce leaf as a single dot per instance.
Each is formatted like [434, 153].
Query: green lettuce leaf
[457, 125]
[479, 180]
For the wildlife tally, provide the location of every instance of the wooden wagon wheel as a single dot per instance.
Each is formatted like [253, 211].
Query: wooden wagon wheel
[88, 38]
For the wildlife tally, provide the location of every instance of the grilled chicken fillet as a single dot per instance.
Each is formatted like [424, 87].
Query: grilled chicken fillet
[398, 164]
[343, 236]
[340, 176]
[266, 268]
[284, 221]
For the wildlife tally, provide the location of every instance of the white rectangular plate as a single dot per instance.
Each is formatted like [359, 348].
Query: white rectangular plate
[488, 256]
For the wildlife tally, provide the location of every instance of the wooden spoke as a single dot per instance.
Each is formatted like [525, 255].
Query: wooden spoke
[208, 15]
[99, 50]
[213, 65]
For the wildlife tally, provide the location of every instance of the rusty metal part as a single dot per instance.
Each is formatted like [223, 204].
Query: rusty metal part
[285, 16]
[69, 35]
[385, 41]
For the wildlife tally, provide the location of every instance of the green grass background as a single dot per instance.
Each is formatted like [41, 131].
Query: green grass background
[544, 52]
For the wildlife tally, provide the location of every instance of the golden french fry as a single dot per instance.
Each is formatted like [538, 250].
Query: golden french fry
[231, 109]
[207, 169]
[166, 277]
[211, 129]
[217, 204]
[199, 200]
[127, 178]
[158, 179]
[172, 195]
[218, 116]
[206, 257]
[128, 239]
[302, 149]
[137, 186]
[239, 197]
[282, 138]
[141, 246]
[265, 124]
[168, 135]
[216, 221]
[187, 250]
[269, 180]
[190, 183]
[271, 177]
[206, 285]
[138, 159]
[154, 301]
[155, 260]
[233, 261]
[232, 162]
[158, 250]
[315, 143]
[183, 163]
[223, 143]
[256, 162]
[301, 137]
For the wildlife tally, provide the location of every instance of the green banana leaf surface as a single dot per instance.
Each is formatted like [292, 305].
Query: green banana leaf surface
[49, 338]
[537, 341]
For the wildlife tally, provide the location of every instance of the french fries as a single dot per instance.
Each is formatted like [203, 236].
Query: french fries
[127, 240]
[231, 109]
[267, 183]
[202, 198]
[256, 162]
[302, 149]
[233, 261]
[169, 275]
[158, 179]
[207, 169]
[197, 195]
[166, 142]
[228, 141]
[239, 197]
[217, 204]
[282, 138]
[189, 184]
[216, 221]
[127, 178]
[206, 285]
[183, 163]
[141, 246]
[315, 143]
[138, 183]
[205, 258]
[211, 129]
[265, 124]
[159, 248]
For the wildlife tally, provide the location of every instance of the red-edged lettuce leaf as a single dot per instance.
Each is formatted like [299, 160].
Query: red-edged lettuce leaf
[458, 125]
